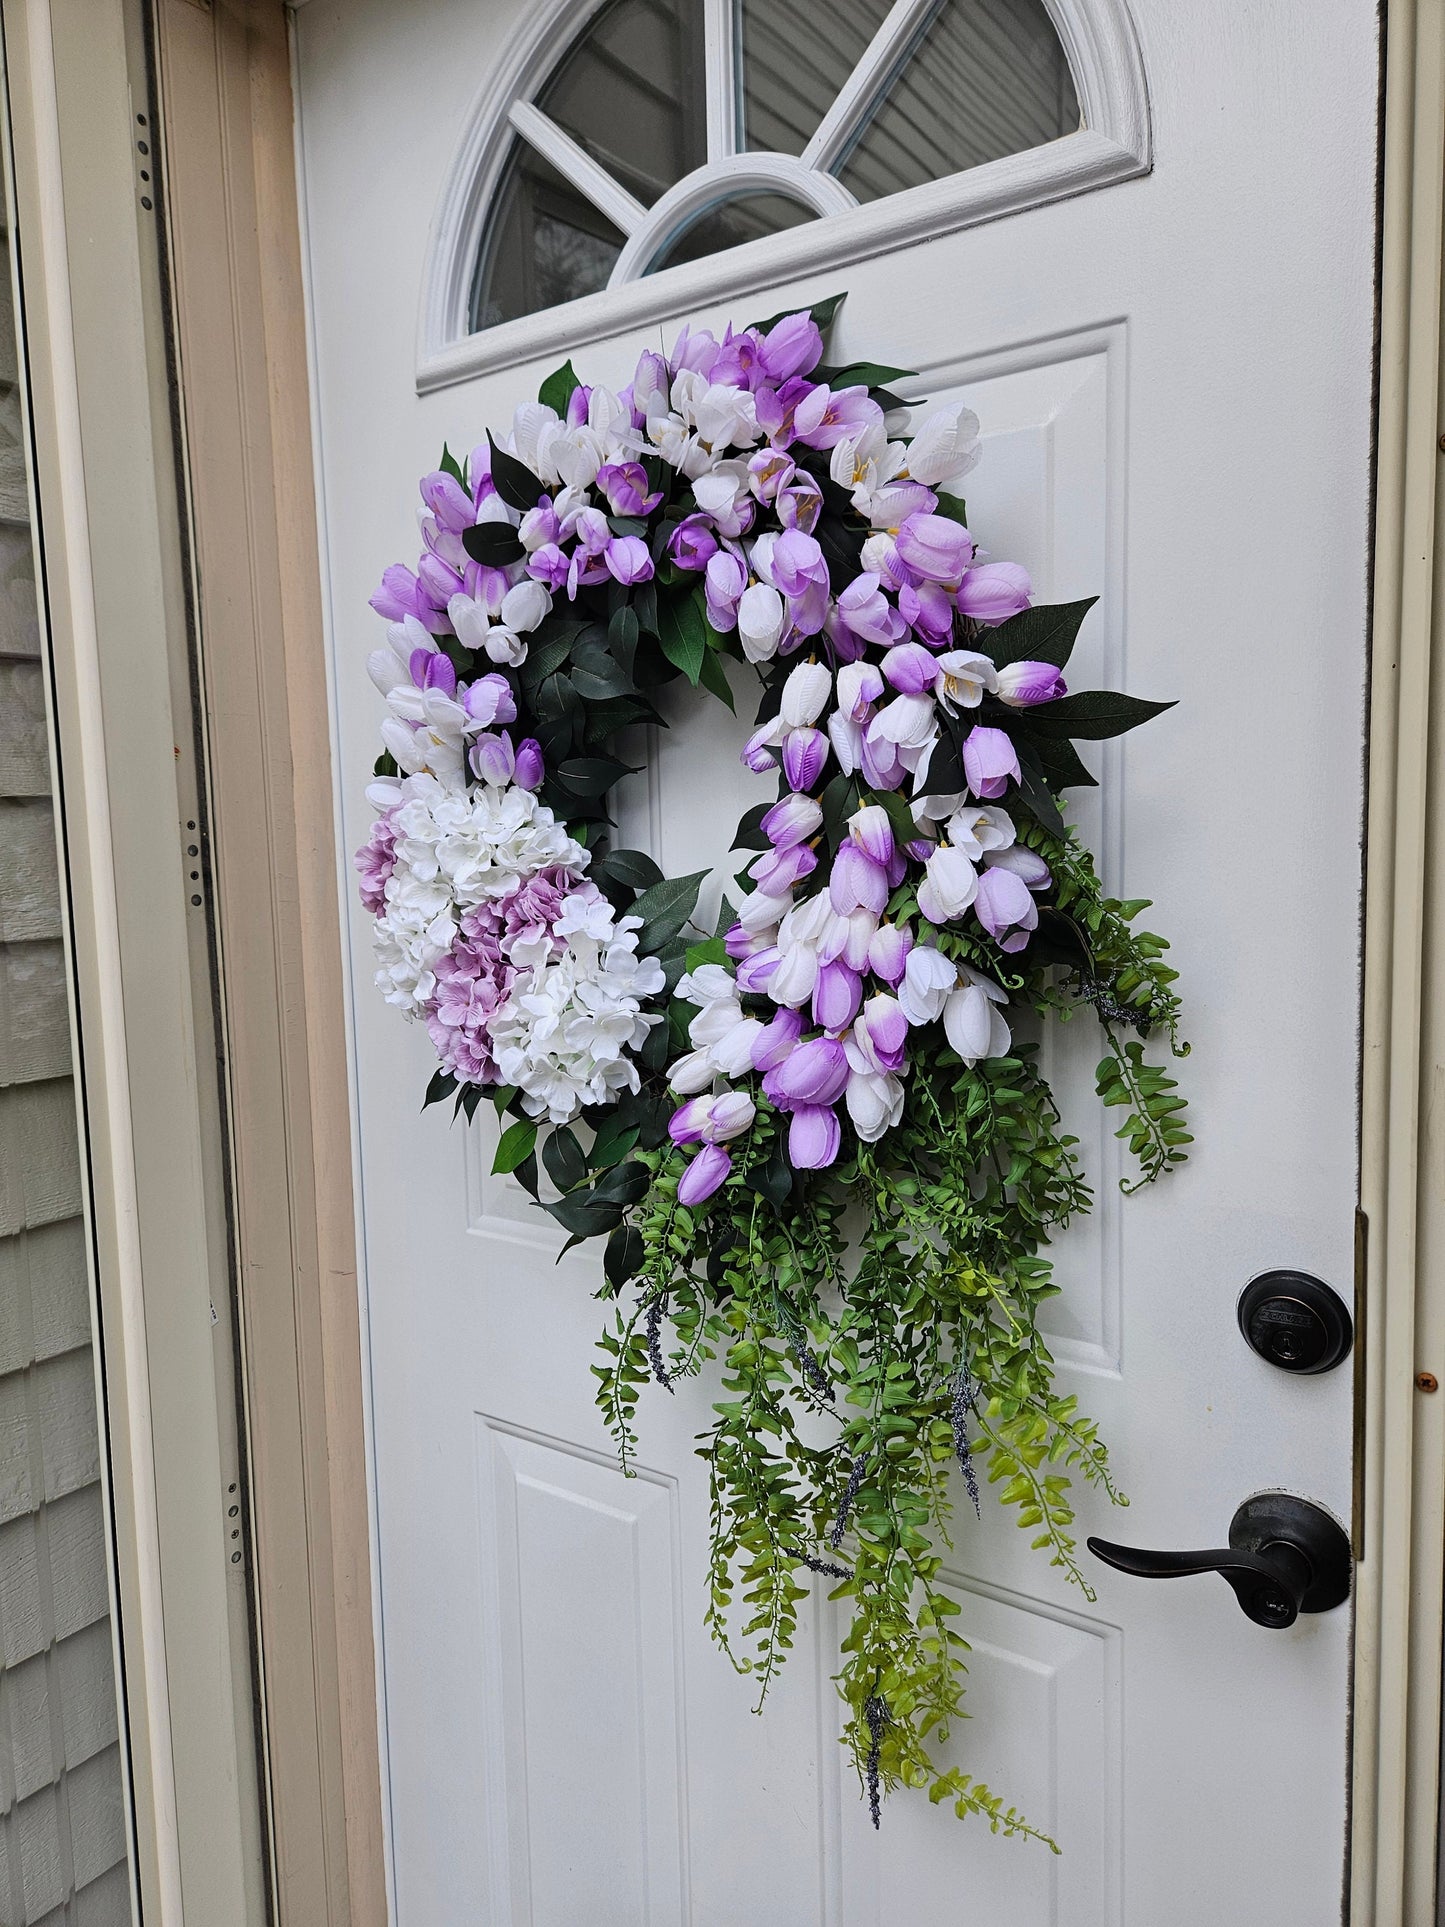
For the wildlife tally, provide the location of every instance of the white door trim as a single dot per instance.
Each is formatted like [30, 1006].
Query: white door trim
[1115, 144]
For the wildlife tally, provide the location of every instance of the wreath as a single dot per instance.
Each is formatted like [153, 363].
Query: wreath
[817, 1141]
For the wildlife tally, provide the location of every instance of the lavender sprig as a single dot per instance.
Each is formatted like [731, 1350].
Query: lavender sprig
[850, 1492]
[879, 1719]
[824, 1566]
[655, 1308]
[964, 1394]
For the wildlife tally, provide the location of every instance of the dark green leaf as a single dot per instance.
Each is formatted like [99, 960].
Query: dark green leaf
[1092, 715]
[613, 1142]
[592, 775]
[1062, 764]
[837, 804]
[1043, 634]
[469, 1097]
[1035, 791]
[442, 1084]
[900, 817]
[494, 544]
[556, 390]
[563, 1160]
[624, 1184]
[665, 908]
[526, 1174]
[712, 950]
[868, 374]
[682, 632]
[583, 1216]
[516, 1142]
[518, 487]
[821, 311]
[451, 466]
[631, 867]
[714, 678]
[385, 765]
[622, 632]
[954, 507]
[750, 829]
[623, 1257]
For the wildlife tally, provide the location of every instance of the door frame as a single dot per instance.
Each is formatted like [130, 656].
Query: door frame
[233, 221]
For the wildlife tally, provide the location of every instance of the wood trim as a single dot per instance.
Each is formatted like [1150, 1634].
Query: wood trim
[1398, 1593]
[225, 97]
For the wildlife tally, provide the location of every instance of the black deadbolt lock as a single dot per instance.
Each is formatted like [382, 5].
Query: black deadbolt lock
[1295, 1322]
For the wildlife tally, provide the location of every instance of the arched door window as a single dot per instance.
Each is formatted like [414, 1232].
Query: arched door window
[671, 130]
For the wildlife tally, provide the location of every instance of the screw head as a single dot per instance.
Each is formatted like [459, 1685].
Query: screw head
[1427, 1381]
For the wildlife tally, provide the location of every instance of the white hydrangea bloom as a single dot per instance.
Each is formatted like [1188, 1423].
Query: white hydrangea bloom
[453, 848]
[564, 1033]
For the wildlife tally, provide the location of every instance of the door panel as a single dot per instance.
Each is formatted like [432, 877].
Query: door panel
[1174, 380]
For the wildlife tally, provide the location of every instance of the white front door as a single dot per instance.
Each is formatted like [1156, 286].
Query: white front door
[1173, 373]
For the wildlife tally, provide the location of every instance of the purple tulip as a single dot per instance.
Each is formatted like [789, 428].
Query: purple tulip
[886, 1029]
[432, 669]
[530, 768]
[628, 559]
[727, 577]
[994, 591]
[910, 668]
[1022, 684]
[687, 1122]
[707, 1173]
[857, 882]
[577, 405]
[778, 870]
[439, 579]
[777, 1040]
[836, 997]
[797, 563]
[490, 700]
[695, 350]
[692, 544]
[1005, 908]
[800, 504]
[792, 346]
[990, 761]
[888, 952]
[448, 501]
[625, 486]
[814, 1073]
[1024, 863]
[824, 418]
[549, 565]
[805, 751]
[756, 972]
[882, 765]
[934, 547]
[401, 595]
[793, 820]
[927, 608]
[813, 1137]
[493, 759]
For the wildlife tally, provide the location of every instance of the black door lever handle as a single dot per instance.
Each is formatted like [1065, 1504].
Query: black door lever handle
[1285, 1556]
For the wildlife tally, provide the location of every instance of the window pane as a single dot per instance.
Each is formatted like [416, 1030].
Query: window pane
[989, 78]
[546, 243]
[731, 223]
[632, 93]
[795, 60]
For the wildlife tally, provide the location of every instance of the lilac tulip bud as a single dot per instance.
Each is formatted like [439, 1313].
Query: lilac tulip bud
[881, 761]
[729, 1116]
[928, 610]
[650, 385]
[1024, 863]
[628, 560]
[448, 501]
[800, 504]
[934, 548]
[949, 886]
[836, 997]
[756, 972]
[490, 700]
[531, 769]
[399, 597]
[548, 565]
[859, 684]
[692, 543]
[814, 1137]
[994, 591]
[778, 870]
[792, 346]
[777, 1040]
[792, 821]
[990, 761]
[804, 753]
[759, 753]
[857, 882]
[707, 1173]
[625, 486]
[888, 952]
[873, 833]
[539, 525]
[814, 1073]
[740, 943]
[910, 668]
[1006, 908]
[439, 579]
[493, 759]
[886, 1030]
[806, 693]
[431, 669]
[1025, 683]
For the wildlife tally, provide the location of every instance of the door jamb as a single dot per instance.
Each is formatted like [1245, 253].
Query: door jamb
[1400, 1576]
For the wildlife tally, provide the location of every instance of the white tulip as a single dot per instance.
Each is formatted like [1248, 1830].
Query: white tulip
[525, 605]
[761, 619]
[928, 977]
[708, 984]
[977, 827]
[729, 1116]
[949, 886]
[692, 1073]
[846, 737]
[758, 912]
[875, 1103]
[945, 448]
[793, 980]
[907, 721]
[806, 693]
[974, 1024]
